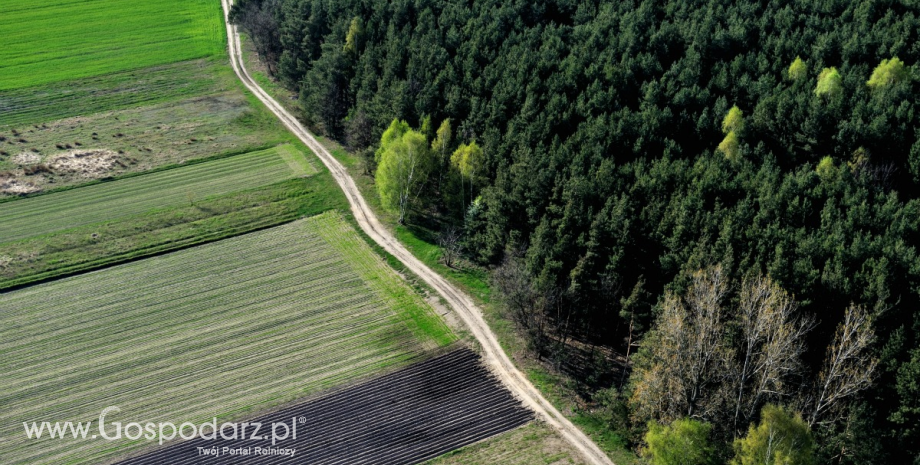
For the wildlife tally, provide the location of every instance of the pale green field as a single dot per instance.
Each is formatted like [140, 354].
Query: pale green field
[55, 40]
[107, 201]
[225, 329]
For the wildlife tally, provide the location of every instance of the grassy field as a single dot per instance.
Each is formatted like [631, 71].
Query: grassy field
[139, 137]
[56, 211]
[57, 40]
[533, 444]
[225, 329]
[78, 229]
[25, 106]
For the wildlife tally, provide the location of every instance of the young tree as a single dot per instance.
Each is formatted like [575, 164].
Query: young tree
[782, 438]
[848, 366]
[829, 83]
[732, 126]
[730, 146]
[450, 243]
[683, 442]
[797, 70]
[440, 147]
[354, 37]
[468, 160]
[825, 168]
[888, 72]
[403, 171]
[733, 121]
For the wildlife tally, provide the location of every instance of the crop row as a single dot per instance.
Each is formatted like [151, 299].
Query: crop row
[61, 40]
[405, 417]
[110, 92]
[43, 214]
[231, 327]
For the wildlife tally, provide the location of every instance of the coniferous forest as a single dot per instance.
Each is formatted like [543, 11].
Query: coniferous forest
[726, 194]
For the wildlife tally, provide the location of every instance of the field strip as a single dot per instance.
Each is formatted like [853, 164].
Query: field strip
[55, 40]
[466, 309]
[220, 330]
[125, 89]
[401, 418]
[57, 211]
[296, 160]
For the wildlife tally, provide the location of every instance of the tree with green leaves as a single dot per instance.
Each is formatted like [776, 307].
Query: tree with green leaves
[798, 70]
[354, 36]
[825, 168]
[888, 72]
[405, 163]
[829, 83]
[733, 121]
[683, 442]
[393, 133]
[440, 148]
[731, 146]
[781, 438]
[468, 159]
[732, 126]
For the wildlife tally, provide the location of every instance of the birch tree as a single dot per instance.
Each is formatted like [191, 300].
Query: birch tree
[772, 342]
[405, 163]
[685, 357]
[848, 366]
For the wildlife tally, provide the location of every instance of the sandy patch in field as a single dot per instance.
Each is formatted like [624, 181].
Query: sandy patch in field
[17, 187]
[91, 163]
[26, 158]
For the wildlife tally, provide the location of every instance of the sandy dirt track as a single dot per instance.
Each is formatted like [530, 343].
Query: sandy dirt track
[463, 306]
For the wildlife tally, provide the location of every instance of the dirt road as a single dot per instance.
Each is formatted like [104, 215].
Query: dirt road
[464, 307]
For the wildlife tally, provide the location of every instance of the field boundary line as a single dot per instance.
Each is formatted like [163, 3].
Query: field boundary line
[493, 355]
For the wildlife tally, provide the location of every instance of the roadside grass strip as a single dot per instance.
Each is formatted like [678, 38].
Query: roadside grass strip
[531, 444]
[401, 418]
[55, 40]
[57, 211]
[222, 330]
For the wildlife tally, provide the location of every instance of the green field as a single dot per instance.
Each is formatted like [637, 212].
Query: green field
[56, 100]
[57, 40]
[44, 214]
[225, 329]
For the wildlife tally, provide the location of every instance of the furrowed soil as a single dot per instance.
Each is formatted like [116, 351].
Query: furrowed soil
[398, 419]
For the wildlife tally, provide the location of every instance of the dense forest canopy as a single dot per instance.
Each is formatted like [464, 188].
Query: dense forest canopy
[626, 145]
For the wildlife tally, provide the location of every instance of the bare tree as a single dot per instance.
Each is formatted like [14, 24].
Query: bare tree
[687, 355]
[848, 366]
[451, 245]
[259, 19]
[772, 342]
[516, 290]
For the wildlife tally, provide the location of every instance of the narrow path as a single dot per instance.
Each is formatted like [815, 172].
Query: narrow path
[465, 308]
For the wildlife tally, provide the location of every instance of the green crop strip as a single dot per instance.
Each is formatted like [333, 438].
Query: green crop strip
[44, 214]
[57, 40]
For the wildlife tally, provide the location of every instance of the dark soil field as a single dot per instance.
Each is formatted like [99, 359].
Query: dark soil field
[405, 417]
